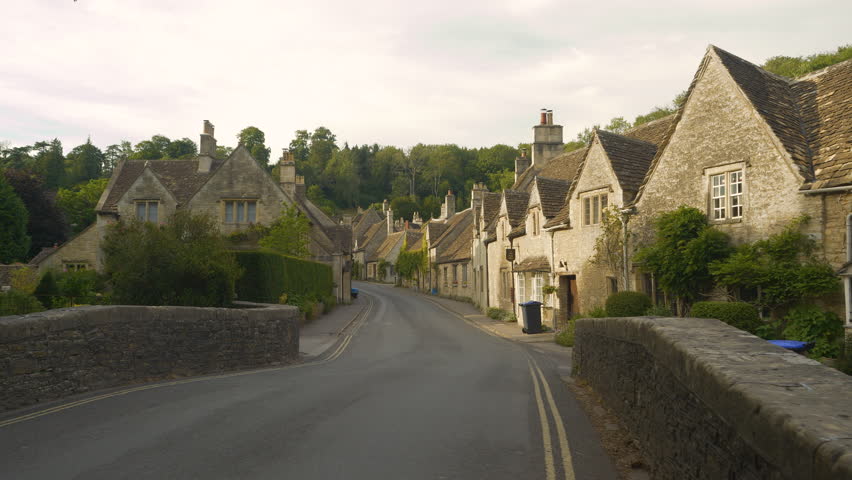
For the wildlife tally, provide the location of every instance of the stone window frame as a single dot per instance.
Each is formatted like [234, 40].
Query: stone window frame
[727, 169]
[535, 227]
[244, 208]
[592, 205]
[75, 266]
[145, 204]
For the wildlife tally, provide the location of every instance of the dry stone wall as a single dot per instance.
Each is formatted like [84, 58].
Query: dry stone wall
[50, 355]
[708, 401]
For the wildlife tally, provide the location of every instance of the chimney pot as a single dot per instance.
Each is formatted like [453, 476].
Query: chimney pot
[550, 117]
[543, 120]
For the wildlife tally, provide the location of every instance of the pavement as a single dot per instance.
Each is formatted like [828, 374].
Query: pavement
[317, 336]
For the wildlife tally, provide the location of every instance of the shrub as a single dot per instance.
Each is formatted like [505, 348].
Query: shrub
[627, 304]
[80, 286]
[494, 313]
[268, 275]
[14, 302]
[565, 337]
[47, 289]
[597, 312]
[736, 314]
[809, 323]
[659, 311]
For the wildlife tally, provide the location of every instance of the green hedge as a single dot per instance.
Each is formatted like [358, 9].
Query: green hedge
[267, 275]
[736, 314]
[627, 304]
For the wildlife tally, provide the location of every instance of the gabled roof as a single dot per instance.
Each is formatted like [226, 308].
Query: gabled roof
[455, 244]
[551, 194]
[374, 237]
[490, 207]
[652, 132]
[435, 229]
[533, 264]
[366, 219]
[516, 206]
[561, 167]
[775, 101]
[518, 231]
[180, 177]
[450, 230]
[628, 157]
[391, 241]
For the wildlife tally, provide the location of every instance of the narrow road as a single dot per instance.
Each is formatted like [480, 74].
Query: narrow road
[413, 392]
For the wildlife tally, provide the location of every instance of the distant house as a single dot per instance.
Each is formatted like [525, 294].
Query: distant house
[236, 191]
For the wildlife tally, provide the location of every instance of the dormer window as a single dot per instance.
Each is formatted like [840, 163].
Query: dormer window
[147, 210]
[240, 211]
[593, 207]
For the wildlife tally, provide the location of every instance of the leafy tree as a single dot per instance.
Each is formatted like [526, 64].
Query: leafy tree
[289, 234]
[223, 152]
[115, 154]
[300, 146]
[16, 157]
[683, 249]
[183, 148]
[618, 125]
[430, 207]
[316, 195]
[46, 225]
[500, 181]
[85, 162]
[783, 268]
[793, 67]
[78, 203]
[403, 207]
[14, 241]
[51, 163]
[254, 140]
[153, 149]
[184, 262]
[322, 147]
[341, 177]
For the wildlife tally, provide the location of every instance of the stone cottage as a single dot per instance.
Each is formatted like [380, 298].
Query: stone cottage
[236, 191]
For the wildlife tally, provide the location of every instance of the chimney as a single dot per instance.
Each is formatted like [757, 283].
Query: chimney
[287, 172]
[448, 209]
[547, 140]
[415, 219]
[521, 163]
[347, 219]
[385, 206]
[389, 220]
[300, 187]
[207, 148]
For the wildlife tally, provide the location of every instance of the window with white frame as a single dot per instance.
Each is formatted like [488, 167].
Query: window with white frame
[726, 195]
[521, 288]
[538, 285]
[593, 207]
[240, 211]
[148, 210]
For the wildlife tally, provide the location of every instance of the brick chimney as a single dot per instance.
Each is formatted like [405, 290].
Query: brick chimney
[207, 148]
[522, 163]
[547, 140]
[287, 172]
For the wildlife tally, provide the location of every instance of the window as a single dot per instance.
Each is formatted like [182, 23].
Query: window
[612, 284]
[446, 276]
[455, 274]
[593, 208]
[464, 275]
[240, 211]
[538, 284]
[726, 195]
[534, 215]
[147, 210]
[75, 266]
[521, 288]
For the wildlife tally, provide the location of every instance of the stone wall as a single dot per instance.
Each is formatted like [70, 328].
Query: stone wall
[49, 355]
[708, 401]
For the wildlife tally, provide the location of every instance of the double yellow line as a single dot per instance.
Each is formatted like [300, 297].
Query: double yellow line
[48, 411]
[549, 464]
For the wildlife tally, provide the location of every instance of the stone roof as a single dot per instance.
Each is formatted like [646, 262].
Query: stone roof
[180, 177]
[366, 219]
[341, 236]
[516, 206]
[388, 244]
[629, 158]
[561, 167]
[490, 207]
[652, 132]
[373, 239]
[825, 99]
[533, 264]
[551, 193]
[48, 251]
[518, 231]
[450, 231]
[455, 244]
[435, 229]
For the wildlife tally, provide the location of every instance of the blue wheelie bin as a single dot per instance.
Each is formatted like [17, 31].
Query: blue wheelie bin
[531, 313]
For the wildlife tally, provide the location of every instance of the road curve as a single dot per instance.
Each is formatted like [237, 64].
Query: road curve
[412, 392]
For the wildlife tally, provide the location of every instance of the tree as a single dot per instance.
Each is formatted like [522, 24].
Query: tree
[85, 162]
[323, 145]
[793, 67]
[153, 149]
[403, 207]
[289, 234]
[684, 247]
[300, 146]
[78, 203]
[46, 225]
[51, 164]
[254, 140]
[223, 152]
[183, 148]
[184, 262]
[115, 154]
[783, 269]
[618, 125]
[14, 241]
[341, 178]
[317, 195]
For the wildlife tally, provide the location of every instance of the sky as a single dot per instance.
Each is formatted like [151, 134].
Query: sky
[472, 72]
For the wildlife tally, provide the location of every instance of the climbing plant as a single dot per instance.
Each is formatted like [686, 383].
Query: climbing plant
[609, 246]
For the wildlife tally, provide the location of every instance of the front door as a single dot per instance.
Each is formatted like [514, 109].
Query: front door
[568, 305]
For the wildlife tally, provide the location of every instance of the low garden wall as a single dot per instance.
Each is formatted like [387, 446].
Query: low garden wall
[708, 401]
[53, 354]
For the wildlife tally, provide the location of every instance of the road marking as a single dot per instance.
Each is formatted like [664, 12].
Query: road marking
[567, 465]
[67, 406]
[549, 467]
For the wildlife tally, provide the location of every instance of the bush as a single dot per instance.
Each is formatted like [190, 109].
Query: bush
[809, 323]
[494, 313]
[47, 289]
[565, 337]
[597, 312]
[736, 314]
[14, 302]
[80, 286]
[627, 304]
[184, 262]
[659, 311]
[268, 275]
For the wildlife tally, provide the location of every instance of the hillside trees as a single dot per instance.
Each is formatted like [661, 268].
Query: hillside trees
[85, 162]
[78, 203]
[14, 241]
[46, 225]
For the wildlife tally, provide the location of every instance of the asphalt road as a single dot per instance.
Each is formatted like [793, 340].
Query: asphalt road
[410, 392]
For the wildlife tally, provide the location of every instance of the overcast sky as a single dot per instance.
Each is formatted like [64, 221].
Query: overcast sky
[470, 72]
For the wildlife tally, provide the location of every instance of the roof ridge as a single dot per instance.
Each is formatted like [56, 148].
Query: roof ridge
[822, 71]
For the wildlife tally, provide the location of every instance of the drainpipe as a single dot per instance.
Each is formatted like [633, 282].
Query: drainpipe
[826, 190]
[625, 216]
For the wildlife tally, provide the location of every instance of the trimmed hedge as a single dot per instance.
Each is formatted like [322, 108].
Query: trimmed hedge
[267, 275]
[736, 314]
[627, 304]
